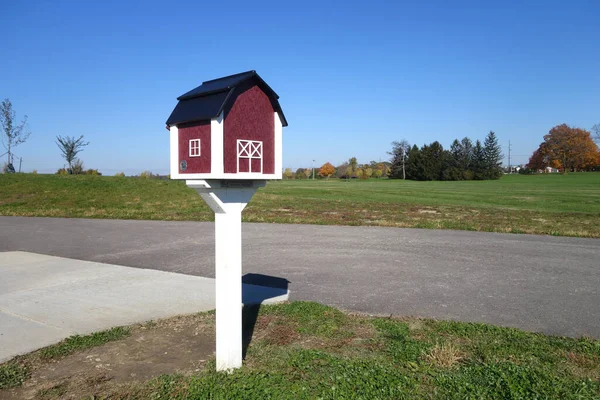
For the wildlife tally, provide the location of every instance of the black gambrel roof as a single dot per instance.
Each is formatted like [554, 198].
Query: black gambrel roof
[212, 97]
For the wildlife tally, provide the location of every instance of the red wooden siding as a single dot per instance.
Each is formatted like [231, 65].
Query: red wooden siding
[196, 130]
[250, 118]
[244, 165]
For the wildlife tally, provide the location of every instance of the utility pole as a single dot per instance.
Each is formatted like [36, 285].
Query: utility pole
[20, 162]
[509, 167]
[313, 168]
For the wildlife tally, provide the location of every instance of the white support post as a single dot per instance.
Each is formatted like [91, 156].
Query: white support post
[174, 148]
[228, 290]
[278, 147]
[228, 199]
[216, 145]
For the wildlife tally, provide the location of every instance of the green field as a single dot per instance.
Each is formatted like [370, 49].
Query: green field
[566, 205]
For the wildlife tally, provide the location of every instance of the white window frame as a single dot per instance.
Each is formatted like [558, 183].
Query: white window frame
[250, 150]
[192, 147]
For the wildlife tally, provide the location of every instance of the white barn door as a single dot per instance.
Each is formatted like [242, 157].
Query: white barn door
[249, 156]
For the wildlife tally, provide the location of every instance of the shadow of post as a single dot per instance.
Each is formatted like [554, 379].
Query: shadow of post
[256, 290]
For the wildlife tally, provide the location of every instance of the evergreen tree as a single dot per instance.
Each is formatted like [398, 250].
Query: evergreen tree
[478, 162]
[466, 159]
[456, 150]
[453, 170]
[426, 163]
[412, 163]
[493, 156]
[436, 161]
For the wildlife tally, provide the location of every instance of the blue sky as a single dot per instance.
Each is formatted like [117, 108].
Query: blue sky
[352, 76]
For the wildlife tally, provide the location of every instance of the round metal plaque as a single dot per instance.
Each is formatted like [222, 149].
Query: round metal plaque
[183, 165]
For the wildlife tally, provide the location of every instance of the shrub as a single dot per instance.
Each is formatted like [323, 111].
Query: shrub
[452, 174]
[147, 175]
[62, 171]
[121, 174]
[8, 169]
[92, 172]
[34, 172]
[287, 173]
[77, 168]
[468, 175]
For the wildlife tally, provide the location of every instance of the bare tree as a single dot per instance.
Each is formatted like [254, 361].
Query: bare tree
[398, 153]
[596, 133]
[341, 170]
[70, 147]
[14, 134]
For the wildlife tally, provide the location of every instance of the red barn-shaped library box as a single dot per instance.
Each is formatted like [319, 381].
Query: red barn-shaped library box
[227, 128]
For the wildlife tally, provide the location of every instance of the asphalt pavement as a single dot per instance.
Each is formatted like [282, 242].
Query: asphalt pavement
[537, 283]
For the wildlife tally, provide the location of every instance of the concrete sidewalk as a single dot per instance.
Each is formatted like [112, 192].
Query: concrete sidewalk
[44, 299]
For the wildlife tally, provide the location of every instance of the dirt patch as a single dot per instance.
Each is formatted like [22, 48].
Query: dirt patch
[182, 345]
[415, 325]
[425, 211]
[583, 365]
[273, 330]
[281, 335]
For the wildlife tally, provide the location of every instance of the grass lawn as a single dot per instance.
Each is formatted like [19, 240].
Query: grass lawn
[566, 205]
[304, 350]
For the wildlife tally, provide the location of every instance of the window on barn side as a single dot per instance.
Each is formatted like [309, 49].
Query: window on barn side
[249, 156]
[195, 148]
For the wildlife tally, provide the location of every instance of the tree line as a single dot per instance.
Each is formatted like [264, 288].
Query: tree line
[464, 160]
[565, 148]
[350, 169]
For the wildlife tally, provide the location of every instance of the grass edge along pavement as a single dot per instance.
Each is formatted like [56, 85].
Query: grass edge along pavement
[550, 204]
[15, 371]
[305, 350]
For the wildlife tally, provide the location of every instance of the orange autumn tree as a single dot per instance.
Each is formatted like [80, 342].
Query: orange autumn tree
[569, 148]
[537, 161]
[327, 170]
